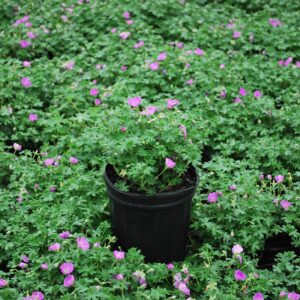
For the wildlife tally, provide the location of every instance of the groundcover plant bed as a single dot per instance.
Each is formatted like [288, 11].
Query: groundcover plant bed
[151, 87]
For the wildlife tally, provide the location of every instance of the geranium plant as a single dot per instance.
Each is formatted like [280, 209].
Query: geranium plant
[151, 146]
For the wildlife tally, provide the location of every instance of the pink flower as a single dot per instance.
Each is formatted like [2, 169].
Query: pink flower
[94, 92]
[182, 128]
[97, 245]
[298, 64]
[281, 62]
[258, 296]
[184, 289]
[257, 94]
[24, 43]
[139, 44]
[236, 34]
[288, 61]
[32, 117]
[150, 110]
[124, 68]
[66, 268]
[269, 177]
[285, 204]
[171, 103]
[230, 25]
[199, 52]
[26, 63]
[97, 102]
[37, 296]
[31, 35]
[83, 243]
[180, 45]
[189, 82]
[274, 22]
[73, 160]
[113, 30]
[49, 162]
[237, 249]
[212, 197]
[282, 294]
[123, 129]
[69, 65]
[293, 296]
[25, 259]
[44, 266]
[28, 24]
[23, 265]
[124, 35]
[126, 15]
[170, 164]
[134, 102]
[162, 56]
[170, 266]
[64, 235]
[17, 147]
[279, 178]
[129, 22]
[232, 187]
[54, 247]
[239, 275]
[154, 66]
[69, 281]
[237, 100]
[119, 276]
[3, 283]
[222, 66]
[223, 94]
[26, 82]
[119, 255]
[243, 92]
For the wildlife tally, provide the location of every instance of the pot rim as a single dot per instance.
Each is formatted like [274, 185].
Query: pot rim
[162, 194]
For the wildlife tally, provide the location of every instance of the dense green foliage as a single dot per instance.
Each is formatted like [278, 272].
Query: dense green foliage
[234, 67]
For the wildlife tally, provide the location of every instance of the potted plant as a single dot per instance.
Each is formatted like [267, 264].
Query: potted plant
[152, 151]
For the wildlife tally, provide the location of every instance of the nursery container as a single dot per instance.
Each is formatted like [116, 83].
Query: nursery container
[157, 225]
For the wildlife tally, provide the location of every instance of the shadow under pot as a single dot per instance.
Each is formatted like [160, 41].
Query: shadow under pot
[157, 225]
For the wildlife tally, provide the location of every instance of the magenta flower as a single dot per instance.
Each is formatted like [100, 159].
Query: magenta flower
[285, 204]
[232, 187]
[184, 289]
[28, 24]
[113, 30]
[139, 44]
[212, 197]
[237, 249]
[282, 294]
[97, 102]
[83, 243]
[236, 34]
[237, 100]
[293, 296]
[69, 281]
[123, 129]
[25, 258]
[26, 63]
[94, 92]
[3, 283]
[44, 266]
[222, 66]
[239, 275]
[66, 268]
[274, 22]
[124, 35]
[17, 147]
[182, 128]
[129, 22]
[31, 35]
[162, 56]
[257, 94]
[230, 25]
[180, 45]
[223, 94]
[37, 296]
[73, 160]
[258, 296]
[54, 247]
[134, 102]
[279, 178]
[33, 117]
[23, 265]
[154, 66]
[170, 164]
[124, 68]
[189, 82]
[49, 162]
[150, 110]
[119, 276]
[69, 65]
[126, 15]
[243, 92]
[119, 255]
[288, 61]
[97, 245]
[26, 82]
[170, 266]
[298, 64]
[199, 52]
[24, 43]
[64, 235]
[171, 103]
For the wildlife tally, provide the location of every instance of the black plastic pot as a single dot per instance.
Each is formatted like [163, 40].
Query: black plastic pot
[157, 225]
